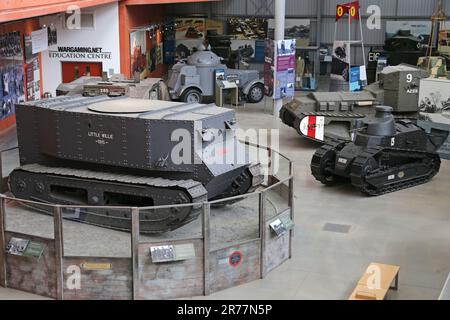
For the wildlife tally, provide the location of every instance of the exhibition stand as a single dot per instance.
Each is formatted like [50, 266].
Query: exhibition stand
[228, 245]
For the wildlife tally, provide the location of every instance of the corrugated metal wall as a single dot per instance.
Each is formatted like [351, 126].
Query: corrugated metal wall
[390, 10]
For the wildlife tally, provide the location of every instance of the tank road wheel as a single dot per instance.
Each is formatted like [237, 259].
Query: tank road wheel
[256, 93]
[192, 95]
[322, 164]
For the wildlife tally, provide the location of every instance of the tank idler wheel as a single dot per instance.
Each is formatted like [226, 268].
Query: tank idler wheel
[322, 162]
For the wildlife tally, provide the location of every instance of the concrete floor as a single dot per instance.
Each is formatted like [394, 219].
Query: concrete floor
[409, 228]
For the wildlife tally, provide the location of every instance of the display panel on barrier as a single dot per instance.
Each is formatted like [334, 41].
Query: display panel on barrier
[172, 279]
[29, 256]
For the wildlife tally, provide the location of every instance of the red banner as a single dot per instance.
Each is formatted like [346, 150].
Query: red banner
[351, 8]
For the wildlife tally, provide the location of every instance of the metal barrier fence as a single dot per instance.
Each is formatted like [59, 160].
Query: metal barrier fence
[214, 266]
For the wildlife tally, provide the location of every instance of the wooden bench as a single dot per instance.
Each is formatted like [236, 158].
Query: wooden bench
[388, 275]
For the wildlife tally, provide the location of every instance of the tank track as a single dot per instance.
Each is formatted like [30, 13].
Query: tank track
[319, 168]
[404, 175]
[37, 182]
[247, 182]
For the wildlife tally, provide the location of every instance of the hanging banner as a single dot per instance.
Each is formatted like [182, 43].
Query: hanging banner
[351, 8]
[340, 61]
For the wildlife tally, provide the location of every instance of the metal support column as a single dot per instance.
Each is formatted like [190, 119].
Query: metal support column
[135, 250]
[262, 232]
[291, 205]
[3, 282]
[59, 251]
[318, 35]
[280, 16]
[206, 246]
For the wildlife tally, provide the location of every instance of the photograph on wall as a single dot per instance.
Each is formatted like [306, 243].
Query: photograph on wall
[286, 47]
[52, 35]
[214, 27]
[298, 29]
[444, 42]
[138, 52]
[247, 28]
[160, 53]
[151, 54]
[246, 48]
[340, 61]
[10, 46]
[190, 28]
[12, 73]
[184, 48]
[407, 35]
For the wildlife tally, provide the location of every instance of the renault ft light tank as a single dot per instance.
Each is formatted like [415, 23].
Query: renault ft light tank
[194, 79]
[330, 116]
[102, 151]
[385, 156]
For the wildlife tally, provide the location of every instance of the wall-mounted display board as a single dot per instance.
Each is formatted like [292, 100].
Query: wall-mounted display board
[25, 248]
[12, 74]
[39, 40]
[279, 68]
[269, 68]
[214, 26]
[247, 28]
[407, 35]
[246, 48]
[32, 72]
[189, 35]
[146, 50]
[358, 78]
[298, 29]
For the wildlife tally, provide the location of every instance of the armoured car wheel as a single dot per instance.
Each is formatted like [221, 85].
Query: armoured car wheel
[191, 96]
[256, 93]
